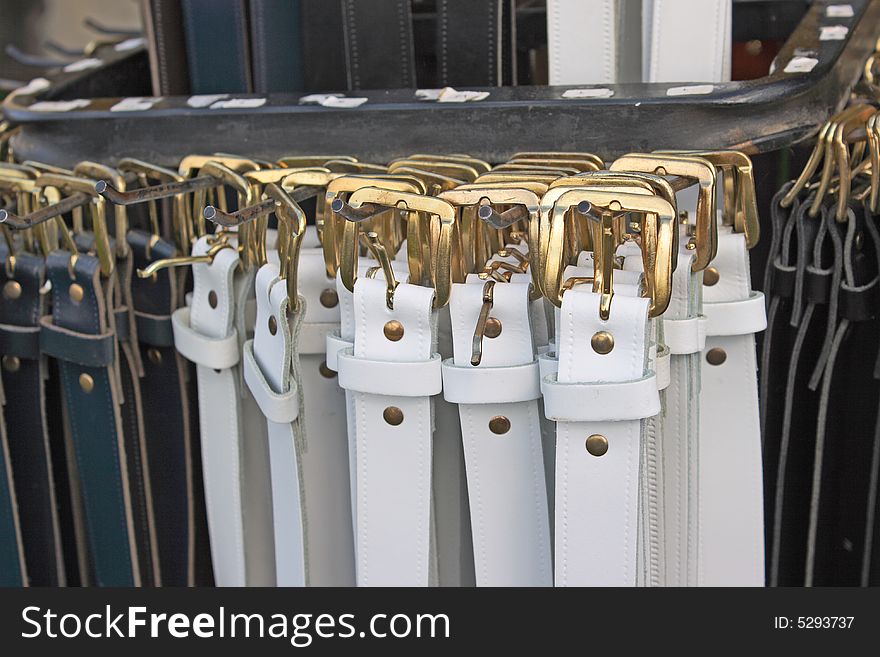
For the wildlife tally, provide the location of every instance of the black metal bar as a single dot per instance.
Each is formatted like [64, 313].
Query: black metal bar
[65, 205]
[154, 192]
[502, 219]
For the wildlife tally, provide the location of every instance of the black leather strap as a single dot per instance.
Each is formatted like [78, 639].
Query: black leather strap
[166, 413]
[276, 45]
[12, 571]
[323, 39]
[91, 398]
[166, 44]
[379, 44]
[217, 45]
[24, 378]
[470, 42]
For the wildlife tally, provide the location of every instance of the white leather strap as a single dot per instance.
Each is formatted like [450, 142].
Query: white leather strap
[335, 344]
[731, 510]
[600, 402]
[270, 367]
[400, 379]
[593, 41]
[501, 434]
[686, 41]
[216, 353]
[394, 439]
[740, 317]
[597, 496]
[685, 336]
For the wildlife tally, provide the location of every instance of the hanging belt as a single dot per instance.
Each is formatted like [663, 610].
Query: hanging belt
[685, 41]
[501, 430]
[233, 432]
[393, 373]
[166, 412]
[271, 372]
[600, 402]
[12, 566]
[379, 44]
[276, 48]
[217, 46]
[469, 42]
[24, 379]
[731, 486]
[80, 335]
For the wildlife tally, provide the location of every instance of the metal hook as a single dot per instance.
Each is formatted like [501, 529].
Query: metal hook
[364, 212]
[27, 59]
[65, 205]
[502, 220]
[100, 28]
[154, 193]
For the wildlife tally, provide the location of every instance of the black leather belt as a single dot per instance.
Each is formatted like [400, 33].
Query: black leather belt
[470, 42]
[12, 571]
[323, 39]
[163, 24]
[276, 45]
[217, 46]
[379, 44]
[24, 377]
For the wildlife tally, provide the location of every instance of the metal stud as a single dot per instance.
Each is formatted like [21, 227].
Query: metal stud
[393, 415]
[499, 425]
[716, 356]
[325, 371]
[212, 299]
[597, 444]
[154, 355]
[273, 325]
[76, 292]
[602, 342]
[86, 382]
[11, 363]
[493, 327]
[12, 290]
[711, 276]
[393, 330]
[329, 298]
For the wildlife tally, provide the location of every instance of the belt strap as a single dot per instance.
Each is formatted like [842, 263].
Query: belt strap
[469, 42]
[731, 518]
[12, 564]
[217, 45]
[394, 439]
[29, 455]
[270, 368]
[501, 433]
[163, 24]
[276, 45]
[597, 457]
[379, 44]
[323, 50]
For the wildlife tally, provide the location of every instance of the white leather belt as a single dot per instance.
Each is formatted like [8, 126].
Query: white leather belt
[731, 518]
[270, 365]
[686, 41]
[393, 435]
[236, 471]
[597, 454]
[501, 433]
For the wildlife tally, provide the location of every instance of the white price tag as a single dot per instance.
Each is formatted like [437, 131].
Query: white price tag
[833, 32]
[59, 105]
[839, 11]
[82, 65]
[204, 100]
[134, 104]
[450, 95]
[129, 44]
[32, 87]
[342, 102]
[239, 103]
[588, 93]
[801, 65]
[317, 98]
[692, 90]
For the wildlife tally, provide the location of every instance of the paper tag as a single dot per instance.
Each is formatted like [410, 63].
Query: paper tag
[134, 104]
[428, 94]
[692, 90]
[833, 32]
[203, 100]
[32, 87]
[59, 105]
[82, 65]
[839, 11]
[800, 65]
[129, 44]
[450, 95]
[318, 98]
[342, 102]
[239, 103]
[588, 93]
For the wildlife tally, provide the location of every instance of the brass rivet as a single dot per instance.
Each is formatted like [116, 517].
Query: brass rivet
[329, 298]
[754, 47]
[393, 330]
[273, 325]
[212, 299]
[393, 415]
[154, 355]
[76, 292]
[325, 371]
[711, 276]
[716, 356]
[493, 327]
[597, 444]
[602, 342]
[691, 245]
[499, 425]
[12, 290]
[86, 382]
[11, 363]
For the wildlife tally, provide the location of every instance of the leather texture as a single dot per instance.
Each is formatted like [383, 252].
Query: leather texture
[323, 37]
[731, 521]
[30, 457]
[217, 46]
[507, 490]
[379, 44]
[276, 45]
[470, 43]
[166, 46]
[270, 368]
[393, 461]
[12, 565]
[597, 496]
